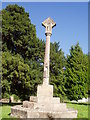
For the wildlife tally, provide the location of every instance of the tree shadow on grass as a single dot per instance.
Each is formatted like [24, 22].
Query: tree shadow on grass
[9, 114]
[78, 103]
[11, 104]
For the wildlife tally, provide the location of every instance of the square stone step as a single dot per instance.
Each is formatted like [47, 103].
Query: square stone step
[27, 104]
[50, 107]
[33, 98]
[44, 99]
[50, 100]
[56, 100]
[45, 90]
[21, 112]
[45, 106]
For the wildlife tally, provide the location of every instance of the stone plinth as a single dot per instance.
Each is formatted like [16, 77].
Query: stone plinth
[45, 90]
[43, 105]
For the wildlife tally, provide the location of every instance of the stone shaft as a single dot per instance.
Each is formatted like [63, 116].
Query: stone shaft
[48, 24]
[46, 61]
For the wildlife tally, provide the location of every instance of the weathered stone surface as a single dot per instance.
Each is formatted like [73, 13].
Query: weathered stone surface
[56, 100]
[33, 99]
[48, 24]
[44, 99]
[21, 112]
[50, 107]
[45, 90]
[27, 104]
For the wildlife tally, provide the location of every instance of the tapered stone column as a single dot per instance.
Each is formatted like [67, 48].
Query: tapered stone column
[45, 91]
[48, 24]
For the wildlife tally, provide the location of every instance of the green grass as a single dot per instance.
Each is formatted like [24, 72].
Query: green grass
[82, 109]
[6, 110]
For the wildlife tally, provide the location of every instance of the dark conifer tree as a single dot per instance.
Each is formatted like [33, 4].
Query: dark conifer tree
[76, 76]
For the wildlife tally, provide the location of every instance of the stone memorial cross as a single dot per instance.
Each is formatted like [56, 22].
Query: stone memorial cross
[44, 105]
[48, 24]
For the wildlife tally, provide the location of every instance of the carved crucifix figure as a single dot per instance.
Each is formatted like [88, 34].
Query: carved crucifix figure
[48, 24]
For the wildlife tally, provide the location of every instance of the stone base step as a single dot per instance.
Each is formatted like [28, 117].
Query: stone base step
[44, 99]
[21, 112]
[33, 99]
[51, 107]
[47, 107]
[49, 100]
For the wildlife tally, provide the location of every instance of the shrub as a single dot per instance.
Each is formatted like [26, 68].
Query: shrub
[16, 98]
[6, 95]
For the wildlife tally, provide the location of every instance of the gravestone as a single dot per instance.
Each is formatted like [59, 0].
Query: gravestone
[44, 105]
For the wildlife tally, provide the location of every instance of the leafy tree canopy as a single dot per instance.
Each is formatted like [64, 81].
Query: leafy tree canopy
[76, 74]
[15, 74]
[18, 34]
[57, 62]
[21, 50]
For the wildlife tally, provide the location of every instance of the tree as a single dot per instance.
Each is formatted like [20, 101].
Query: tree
[89, 74]
[15, 75]
[0, 50]
[18, 33]
[21, 48]
[57, 62]
[76, 76]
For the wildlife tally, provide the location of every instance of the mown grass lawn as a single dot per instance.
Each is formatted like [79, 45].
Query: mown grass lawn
[82, 109]
[5, 109]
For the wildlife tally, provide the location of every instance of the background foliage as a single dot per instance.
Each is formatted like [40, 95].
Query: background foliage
[76, 74]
